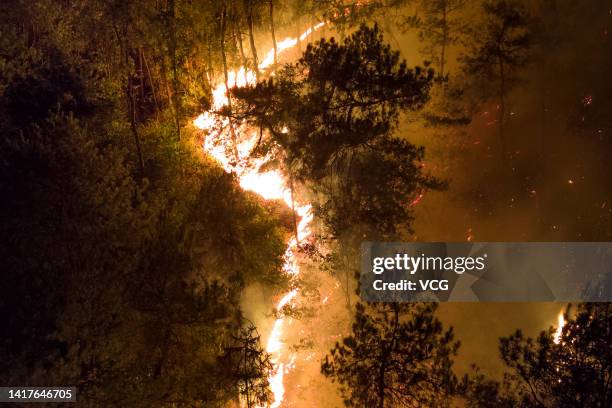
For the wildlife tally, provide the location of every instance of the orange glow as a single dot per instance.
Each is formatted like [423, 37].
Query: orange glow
[270, 185]
[559, 331]
[274, 347]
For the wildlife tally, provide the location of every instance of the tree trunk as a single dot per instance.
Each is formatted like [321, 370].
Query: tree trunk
[226, 77]
[295, 223]
[133, 125]
[347, 267]
[385, 356]
[246, 370]
[173, 59]
[243, 58]
[130, 98]
[271, 2]
[136, 138]
[164, 350]
[141, 75]
[252, 38]
[210, 68]
[144, 58]
[349, 306]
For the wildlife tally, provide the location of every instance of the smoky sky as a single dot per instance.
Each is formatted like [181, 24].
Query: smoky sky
[557, 186]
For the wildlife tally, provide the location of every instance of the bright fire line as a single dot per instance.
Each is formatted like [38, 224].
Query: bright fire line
[559, 331]
[268, 184]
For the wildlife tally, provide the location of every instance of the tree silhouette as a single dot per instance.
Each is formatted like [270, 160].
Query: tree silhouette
[331, 120]
[438, 26]
[250, 365]
[398, 355]
[574, 370]
[498, 48]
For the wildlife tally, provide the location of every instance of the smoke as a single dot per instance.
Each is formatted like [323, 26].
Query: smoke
[555, 184]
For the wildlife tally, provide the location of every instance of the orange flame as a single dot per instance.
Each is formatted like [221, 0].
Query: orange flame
[559, 331]
[268, 184]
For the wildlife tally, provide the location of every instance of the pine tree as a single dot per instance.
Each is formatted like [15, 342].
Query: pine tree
[250, 365]
[330, 121]
[439, 27]
[497, 49]
[573, 370]
[398, 355]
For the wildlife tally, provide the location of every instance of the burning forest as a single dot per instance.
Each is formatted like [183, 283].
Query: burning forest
[188, 186]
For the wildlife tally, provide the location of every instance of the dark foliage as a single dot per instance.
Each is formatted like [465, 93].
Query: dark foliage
[570, 368]
[124, 251]
[398, 355]
[574, 370]
[331, 119]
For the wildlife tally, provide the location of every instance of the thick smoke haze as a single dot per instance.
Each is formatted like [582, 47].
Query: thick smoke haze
[187, 188]
[559, 186]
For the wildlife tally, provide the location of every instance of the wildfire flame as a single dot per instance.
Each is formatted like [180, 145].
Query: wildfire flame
[268, 184]
[559, 331]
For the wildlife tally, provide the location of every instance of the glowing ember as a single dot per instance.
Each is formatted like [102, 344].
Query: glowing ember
[559, 331]
[417, 200]
[269, 184]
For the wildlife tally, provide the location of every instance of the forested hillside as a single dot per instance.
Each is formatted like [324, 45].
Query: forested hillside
[142, 264]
